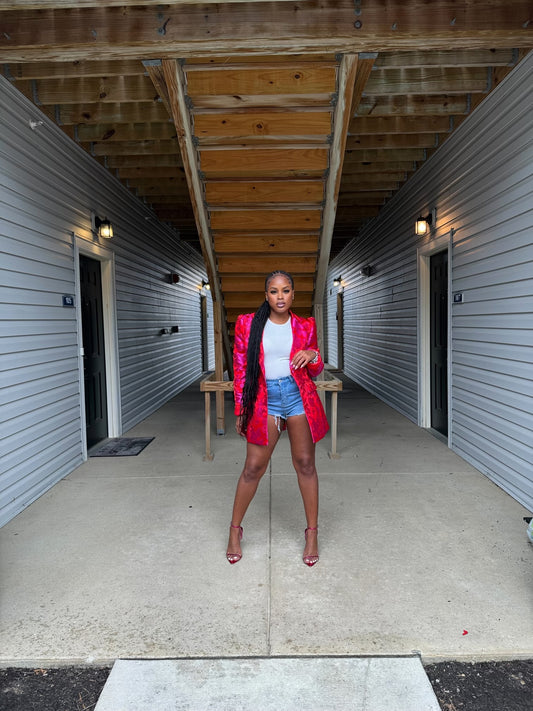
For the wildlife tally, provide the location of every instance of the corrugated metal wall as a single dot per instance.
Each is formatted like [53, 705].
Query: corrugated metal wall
[48, 187]
[481, 183]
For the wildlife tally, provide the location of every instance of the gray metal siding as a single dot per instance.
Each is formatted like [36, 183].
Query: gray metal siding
[380, 312]
[48, 187]
[331, 355]
[481, 182]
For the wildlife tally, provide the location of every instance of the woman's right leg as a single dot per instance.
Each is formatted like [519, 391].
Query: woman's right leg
[257, 458]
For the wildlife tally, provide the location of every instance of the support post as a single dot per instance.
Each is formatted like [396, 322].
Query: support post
[208, 456]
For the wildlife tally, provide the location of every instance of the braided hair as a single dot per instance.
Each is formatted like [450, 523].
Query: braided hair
[251, 382]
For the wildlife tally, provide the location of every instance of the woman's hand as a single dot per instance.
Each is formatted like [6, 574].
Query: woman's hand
[238, 426]
[303, 358]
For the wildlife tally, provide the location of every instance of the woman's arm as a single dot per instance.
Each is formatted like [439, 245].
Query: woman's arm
[240, 348]
[314, 367]
[310, 355]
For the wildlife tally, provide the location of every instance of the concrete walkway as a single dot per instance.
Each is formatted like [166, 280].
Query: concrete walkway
[125, 558]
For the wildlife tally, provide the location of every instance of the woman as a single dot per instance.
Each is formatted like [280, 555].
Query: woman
[275, 356]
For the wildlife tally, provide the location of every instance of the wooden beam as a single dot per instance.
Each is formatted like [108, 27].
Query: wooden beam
[271, 102]
[64, 4]
[228, 243]
[364, 70]
[63, 70]
[352, 178]
[175, 83]
[126, 132]
[399, 124]
[260, 81]
[454, 58]
[176, 214]
[140, 148]
[155, 72]
[145, 173]
[428, 80]
[275, 219]
[370, 184]
[94, 113]
[256, 162]
[358, 198]
[350, 213]
[440, 104]
[391, 140]
[183, 30]
[261, 265]
[156, 160]
[345, 91]
[262, 124]
[91, 89]
[384, 155]
[366, 167]
[256, 283]
[263, 191]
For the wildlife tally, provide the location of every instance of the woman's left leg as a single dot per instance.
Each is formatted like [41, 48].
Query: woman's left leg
[303, 459]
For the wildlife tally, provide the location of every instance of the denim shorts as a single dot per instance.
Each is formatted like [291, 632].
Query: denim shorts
[284, 399]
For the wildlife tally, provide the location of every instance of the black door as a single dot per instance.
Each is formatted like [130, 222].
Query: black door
[439, 342]
[340, 331]
[93, 348]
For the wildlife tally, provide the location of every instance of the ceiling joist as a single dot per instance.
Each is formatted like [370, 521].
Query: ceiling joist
[192, 30]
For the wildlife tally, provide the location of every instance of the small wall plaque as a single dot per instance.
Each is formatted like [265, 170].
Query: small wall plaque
[68, 300]
[458, 298]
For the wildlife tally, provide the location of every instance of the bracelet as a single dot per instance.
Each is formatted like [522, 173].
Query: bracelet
[315, 359]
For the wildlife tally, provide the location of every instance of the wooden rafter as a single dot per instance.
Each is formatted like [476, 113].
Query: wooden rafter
[187, 30]
[345, 93]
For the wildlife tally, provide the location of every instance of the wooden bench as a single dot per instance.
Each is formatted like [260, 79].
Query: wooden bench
[326, 383]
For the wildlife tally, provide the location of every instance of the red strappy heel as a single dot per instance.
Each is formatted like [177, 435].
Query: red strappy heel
[310, 560]
[235, 557]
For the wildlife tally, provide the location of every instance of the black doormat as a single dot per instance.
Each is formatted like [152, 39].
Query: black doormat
[122, 447]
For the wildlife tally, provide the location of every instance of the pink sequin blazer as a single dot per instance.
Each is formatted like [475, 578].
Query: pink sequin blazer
[303, 338]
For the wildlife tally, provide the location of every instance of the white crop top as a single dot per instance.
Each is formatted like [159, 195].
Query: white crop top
[277, 344]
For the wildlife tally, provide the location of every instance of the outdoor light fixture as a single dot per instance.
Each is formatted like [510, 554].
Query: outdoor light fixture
[173, 278]
[337, 281]
[366, 271]
[104, 228]
[423, 224]
[206, 285]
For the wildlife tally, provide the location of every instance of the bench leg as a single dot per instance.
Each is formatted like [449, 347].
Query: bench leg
[208, 454]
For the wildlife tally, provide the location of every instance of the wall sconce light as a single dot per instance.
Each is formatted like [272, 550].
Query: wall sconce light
[337, 281]
[173, 278]
[206, 285]
[366, 271]
[423, 224]
[104, 228]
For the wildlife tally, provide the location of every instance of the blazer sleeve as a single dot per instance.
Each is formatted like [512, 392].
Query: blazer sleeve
[240, 348]
[313, 369]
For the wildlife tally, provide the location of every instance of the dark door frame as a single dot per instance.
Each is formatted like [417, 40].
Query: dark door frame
[93, 346]
[106, 258]
[339, 315]
[205, 331]
[424, 254]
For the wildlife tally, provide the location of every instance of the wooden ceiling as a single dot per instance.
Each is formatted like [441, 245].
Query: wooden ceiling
[267, 133]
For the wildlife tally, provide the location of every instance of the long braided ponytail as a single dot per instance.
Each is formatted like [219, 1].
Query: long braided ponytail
[251, 382]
